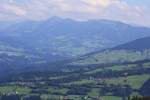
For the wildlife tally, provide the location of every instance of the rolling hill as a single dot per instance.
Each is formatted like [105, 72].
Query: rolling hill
[137, 45]
[138, 49]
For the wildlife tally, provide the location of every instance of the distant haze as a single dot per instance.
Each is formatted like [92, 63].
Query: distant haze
[129, 11]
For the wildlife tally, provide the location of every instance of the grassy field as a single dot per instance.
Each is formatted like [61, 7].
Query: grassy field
[146, 65]
[122, 67]
[58, 90]
[113, 68]
[9, 89]
[135, 81]
[23, 90]
[111, 98]
[82, 82]
[94, 71]
[94, 92]
[57, 77]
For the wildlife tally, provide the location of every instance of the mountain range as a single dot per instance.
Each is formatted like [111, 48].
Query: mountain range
[30, 43]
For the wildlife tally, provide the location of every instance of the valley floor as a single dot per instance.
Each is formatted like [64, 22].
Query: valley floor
[114, 82]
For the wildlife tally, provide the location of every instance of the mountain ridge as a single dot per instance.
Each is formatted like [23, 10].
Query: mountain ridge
[138, 44]
[60, 39]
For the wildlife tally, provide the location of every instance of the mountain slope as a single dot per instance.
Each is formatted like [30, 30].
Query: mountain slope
[129, 52]
[58, 39]
[63, 36]
[138, 45]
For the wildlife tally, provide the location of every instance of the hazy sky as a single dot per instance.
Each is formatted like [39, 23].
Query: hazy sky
[130, 11]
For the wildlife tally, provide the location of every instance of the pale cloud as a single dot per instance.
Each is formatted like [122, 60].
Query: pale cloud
[19, 11]
[103, 3]
[76, 9]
